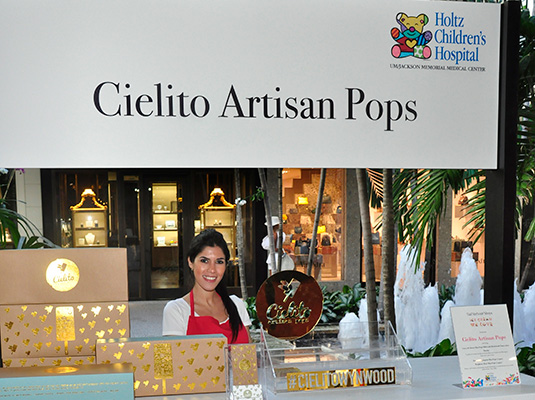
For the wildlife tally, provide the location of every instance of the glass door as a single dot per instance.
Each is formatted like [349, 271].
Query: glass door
[166, 240]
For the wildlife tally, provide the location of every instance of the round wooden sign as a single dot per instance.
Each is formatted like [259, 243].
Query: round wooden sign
[289, 304]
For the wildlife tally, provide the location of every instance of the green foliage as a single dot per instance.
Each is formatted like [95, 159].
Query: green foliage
[18, 226]
[257, 195]
[340, 302]
[444, 348]
[251, 309]
[445, 294]
[526, 360]
[420, 198]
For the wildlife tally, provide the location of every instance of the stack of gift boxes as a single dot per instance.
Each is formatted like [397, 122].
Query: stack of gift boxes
[170, 365]
[56, 303]
[69, 308]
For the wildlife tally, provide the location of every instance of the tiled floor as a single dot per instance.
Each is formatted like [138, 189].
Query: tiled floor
[146, 318]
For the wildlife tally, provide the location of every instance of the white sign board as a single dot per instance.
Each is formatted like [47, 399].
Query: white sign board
[487, 355]
[196, 83]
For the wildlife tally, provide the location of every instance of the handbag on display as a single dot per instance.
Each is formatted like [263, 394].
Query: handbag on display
[287, 264]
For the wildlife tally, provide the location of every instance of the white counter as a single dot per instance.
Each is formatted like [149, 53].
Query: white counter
[436, 378]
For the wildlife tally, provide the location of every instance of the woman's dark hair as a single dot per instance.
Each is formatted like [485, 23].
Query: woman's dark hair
[212, 238]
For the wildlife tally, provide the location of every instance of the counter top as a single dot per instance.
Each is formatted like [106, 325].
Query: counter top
[437, 378]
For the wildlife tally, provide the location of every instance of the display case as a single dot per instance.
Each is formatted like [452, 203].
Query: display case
[89, 222]
[220, 215]
[166, 208]
[321, 361]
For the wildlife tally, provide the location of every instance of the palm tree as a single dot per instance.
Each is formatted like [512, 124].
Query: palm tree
[368, 253]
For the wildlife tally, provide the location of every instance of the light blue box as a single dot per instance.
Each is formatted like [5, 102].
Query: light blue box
[85, 382]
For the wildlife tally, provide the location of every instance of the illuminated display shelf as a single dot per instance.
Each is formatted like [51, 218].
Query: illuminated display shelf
[222, 218]
[89, 222]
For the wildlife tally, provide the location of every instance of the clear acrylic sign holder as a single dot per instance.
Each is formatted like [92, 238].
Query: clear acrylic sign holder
[321, 361]
[245, 368]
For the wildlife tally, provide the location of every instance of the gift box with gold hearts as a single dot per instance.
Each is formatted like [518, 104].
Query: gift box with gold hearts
[57, 302]
[49, 361]
[171, 364]
[95, 382]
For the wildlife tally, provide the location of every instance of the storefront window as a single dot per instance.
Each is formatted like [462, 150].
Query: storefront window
[71, 187]
[166, 207]
[300, 194]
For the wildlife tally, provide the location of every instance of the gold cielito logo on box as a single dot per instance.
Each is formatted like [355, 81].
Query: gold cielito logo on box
[62, 274]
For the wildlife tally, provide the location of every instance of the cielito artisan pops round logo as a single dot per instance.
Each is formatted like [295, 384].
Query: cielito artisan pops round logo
[62, 274]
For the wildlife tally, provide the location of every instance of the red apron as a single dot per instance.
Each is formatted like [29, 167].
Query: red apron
[207, 325]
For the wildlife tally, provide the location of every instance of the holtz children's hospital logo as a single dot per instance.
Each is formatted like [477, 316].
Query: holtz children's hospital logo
[410, 37]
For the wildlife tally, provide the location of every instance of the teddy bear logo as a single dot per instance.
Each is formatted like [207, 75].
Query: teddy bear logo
[410, 37]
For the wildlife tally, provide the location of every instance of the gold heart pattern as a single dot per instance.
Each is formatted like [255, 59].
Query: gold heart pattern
[194, 367]
[244, 365]
[27, 330]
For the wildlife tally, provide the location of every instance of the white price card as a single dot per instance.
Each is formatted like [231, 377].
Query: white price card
[485, 346]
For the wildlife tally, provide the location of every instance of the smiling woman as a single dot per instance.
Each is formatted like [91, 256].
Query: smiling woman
[207, 308]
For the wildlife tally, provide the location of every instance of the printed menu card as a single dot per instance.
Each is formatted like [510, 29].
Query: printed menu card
[485, 346]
